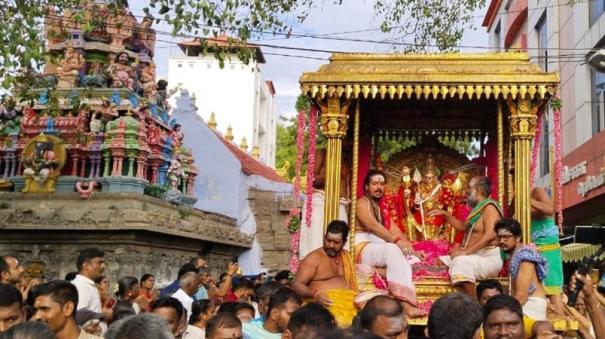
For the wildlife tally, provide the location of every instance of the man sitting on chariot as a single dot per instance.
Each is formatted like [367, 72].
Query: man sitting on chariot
[378, 247]
[478, 257]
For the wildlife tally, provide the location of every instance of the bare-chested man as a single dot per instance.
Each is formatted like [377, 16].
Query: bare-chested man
[327, 276]
[311, 237]
[527, 269]
[378, 247]
[478, 257]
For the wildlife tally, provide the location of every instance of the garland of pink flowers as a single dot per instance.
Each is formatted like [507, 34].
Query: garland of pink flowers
[311, 163]
[301, 104]
[555, 104]
[533, 165]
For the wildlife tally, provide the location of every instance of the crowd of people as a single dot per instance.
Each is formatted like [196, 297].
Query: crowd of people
[328, 297]
[195, 306]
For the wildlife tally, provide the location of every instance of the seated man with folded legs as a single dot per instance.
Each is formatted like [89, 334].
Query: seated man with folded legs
[378, 247]
[327, 275]
[478, 257]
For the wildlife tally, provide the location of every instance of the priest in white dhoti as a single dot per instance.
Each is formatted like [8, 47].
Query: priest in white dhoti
[378, 247]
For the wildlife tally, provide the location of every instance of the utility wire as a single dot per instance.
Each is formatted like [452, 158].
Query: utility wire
[327, 36]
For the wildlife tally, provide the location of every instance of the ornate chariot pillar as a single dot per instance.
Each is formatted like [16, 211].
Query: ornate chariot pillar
[333, 122]
[523, 121]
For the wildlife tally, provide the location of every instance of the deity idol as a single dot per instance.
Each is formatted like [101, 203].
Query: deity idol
[428, 197]
[407, 209]
[69, 67]
[39, 165]
[175, 173]
[121, 72]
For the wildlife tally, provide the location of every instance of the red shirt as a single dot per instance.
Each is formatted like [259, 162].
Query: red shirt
[231, 297]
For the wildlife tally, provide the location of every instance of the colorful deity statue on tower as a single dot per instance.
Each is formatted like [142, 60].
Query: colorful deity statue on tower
[43, 158]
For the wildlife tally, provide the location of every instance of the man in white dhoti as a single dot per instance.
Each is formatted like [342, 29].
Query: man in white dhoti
[478, 257]
[378, 247]
[311, 237]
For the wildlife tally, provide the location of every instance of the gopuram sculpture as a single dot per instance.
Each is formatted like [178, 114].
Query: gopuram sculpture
[43, 158]
[107, 120]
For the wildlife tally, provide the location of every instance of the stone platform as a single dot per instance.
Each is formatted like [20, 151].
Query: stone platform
[140, 234]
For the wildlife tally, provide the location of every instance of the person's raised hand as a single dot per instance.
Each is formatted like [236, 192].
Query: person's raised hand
[587, 289]
[232, 268]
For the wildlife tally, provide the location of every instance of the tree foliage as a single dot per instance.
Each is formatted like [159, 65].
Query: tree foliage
[286, 146]
[430, 22]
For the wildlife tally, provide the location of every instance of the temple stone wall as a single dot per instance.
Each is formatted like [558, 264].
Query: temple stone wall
[271, 212]
[57, 259]
[140, 234]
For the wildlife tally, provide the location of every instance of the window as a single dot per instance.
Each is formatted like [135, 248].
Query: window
[595, 9]
[179, 65]
[497, 37]
[544, 148]
[598, 101]
[191, 65]
[542, 34]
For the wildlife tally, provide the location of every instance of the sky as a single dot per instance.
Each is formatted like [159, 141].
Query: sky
[327, 18]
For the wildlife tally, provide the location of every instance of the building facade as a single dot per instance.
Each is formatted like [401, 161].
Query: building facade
[560, 36]
[234, 184]
[236, 93]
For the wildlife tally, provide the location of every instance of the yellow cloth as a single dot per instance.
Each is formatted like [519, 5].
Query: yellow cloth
[349, 270]
[343, 307]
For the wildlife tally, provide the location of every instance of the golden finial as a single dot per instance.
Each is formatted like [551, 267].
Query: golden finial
[255, 152]
[212, 122]
[229, 135]
[244, 145]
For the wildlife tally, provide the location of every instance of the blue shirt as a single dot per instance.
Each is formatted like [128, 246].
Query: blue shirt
[201, 293]
[170, 289]
[255, 330]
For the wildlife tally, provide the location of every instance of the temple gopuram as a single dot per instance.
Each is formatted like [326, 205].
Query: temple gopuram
[95, 159]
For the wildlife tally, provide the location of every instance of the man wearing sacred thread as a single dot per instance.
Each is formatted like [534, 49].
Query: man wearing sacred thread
[478, 257]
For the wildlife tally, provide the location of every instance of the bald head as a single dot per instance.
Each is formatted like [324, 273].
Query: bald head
[189, 282]
[379, 306]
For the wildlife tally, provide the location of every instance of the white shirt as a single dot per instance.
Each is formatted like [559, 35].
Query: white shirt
[193, 332]
[88, 295]
[185, 300]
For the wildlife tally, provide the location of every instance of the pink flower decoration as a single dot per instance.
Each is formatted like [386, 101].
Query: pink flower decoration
[311, 163]
[558, 167]
[295, 242]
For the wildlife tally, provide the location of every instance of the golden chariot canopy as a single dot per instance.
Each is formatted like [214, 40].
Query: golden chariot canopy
[425, 76]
